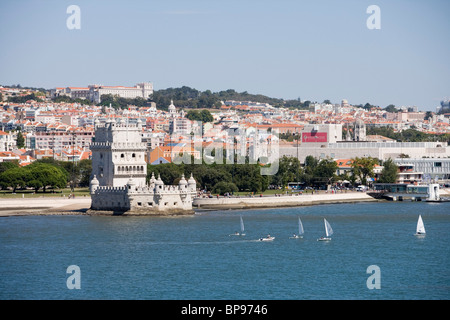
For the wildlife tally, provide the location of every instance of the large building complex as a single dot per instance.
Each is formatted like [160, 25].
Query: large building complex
[94, 92]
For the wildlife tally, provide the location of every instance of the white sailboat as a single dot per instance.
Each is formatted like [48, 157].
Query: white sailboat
[328, 231]
[420, 229]
[242, 229]
[300, 231]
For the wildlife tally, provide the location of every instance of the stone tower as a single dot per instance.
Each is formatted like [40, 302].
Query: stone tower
[118, 154]
[359, 130]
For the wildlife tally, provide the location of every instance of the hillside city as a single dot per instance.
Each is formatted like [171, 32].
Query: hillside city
[60, 123]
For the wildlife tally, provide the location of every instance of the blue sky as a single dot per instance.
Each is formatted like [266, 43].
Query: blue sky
[287, 49]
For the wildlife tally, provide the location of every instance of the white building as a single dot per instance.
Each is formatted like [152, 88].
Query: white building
[119, 174]
[431, 169]
[319, 134]
[380, 150]
[7, 141]
[141, 90]
[94, 92]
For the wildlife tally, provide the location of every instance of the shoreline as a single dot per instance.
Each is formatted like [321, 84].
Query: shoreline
[280, 201]
[44, 206]
[81, 206]
[11, 207]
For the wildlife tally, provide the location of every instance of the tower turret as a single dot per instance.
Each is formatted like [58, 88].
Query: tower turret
[159, 184]
[94, 185]
[192, 184]
[183, 183]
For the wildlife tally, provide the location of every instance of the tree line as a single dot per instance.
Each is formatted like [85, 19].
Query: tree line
[218, 178]
[317, 173]
[45, 174]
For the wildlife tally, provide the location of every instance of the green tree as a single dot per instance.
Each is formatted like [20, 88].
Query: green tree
[15, 178]
[223, 187]
[247, 177]
[43, 175]
[310, 165]
[209, 175]
[203, 115]
[391, 108]
[84, 172]
[206, 116]
[6, 165]
[169, 172]
[389, 173]
[363, 168]
[289, 170]
[20, 142]
[325, 172]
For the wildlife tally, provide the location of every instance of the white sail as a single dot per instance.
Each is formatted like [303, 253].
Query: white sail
[300, 227]
[420, 226]
[242, 225]
[328, 229]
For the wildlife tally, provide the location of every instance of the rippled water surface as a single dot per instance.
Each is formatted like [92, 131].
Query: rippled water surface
[195, 258]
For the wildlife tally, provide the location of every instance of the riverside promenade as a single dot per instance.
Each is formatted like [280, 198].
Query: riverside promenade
[279, 201]
[43, 206]
[80, 205]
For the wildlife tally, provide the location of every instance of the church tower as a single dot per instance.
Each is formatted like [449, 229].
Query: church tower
[359, 130]
[172, 110]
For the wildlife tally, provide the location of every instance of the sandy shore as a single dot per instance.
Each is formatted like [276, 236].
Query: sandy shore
[43, 206]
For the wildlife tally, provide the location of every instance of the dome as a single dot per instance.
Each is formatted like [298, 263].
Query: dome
[172, 108]
[159, 181]
[152, 179]
[182, 180]
[94, 181]
[192, 180]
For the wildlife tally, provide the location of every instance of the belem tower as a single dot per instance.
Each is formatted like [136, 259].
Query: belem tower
[119, 170]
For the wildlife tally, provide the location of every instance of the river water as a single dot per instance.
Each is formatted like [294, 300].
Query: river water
[194, 257]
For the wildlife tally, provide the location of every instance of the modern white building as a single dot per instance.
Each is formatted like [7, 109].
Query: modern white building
[380, 150]
[119, 172]
[431, 169]
[318, 134]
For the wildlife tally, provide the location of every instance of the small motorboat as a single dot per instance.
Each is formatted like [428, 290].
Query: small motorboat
[268, 238]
